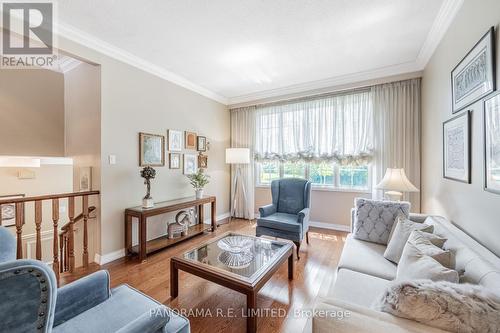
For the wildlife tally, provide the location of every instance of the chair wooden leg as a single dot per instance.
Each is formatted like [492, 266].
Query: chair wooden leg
[307, 238]
[297, 244]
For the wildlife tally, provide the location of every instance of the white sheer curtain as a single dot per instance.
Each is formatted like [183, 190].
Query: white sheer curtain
[242, 136]
[333, 128]
[396, 110]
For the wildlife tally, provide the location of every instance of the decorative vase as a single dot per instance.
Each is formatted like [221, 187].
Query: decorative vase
[199, 194]
[148, 202]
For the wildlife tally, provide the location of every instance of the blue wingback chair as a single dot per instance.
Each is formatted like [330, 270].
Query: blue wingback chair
[288, 216]
[31, 302]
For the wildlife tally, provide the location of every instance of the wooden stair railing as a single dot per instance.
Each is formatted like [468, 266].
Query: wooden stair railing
[63, 238]
[66, 240]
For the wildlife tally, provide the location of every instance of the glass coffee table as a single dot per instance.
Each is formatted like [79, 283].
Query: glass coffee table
[238, 262]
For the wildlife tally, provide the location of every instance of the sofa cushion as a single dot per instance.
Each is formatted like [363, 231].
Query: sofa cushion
[358, 288]
[400, 233]
[374, 219]
[366, 257]
[124, 305]
[280, 221]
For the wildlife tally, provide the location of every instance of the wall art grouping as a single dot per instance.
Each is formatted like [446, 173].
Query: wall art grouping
[152, 150]
[474, 79]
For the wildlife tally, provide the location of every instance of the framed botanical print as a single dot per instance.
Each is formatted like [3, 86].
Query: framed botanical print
[151, 150]
[474, 77]
[492, 144]
[190, 164]
[456, 148]
[174, 140]
[190, 140]
[8, 211]
[202, 161]
[174, 161]
[201, 143]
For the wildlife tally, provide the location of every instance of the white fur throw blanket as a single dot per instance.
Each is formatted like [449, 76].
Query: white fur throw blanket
[462, 308]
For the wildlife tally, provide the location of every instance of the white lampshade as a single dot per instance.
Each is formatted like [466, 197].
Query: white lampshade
[237, 155]
[396, 180]
[19, 162]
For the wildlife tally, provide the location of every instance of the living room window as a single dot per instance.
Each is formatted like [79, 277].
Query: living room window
[323, 175]
[328, 140]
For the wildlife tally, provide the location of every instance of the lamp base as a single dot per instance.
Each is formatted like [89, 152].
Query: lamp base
[393, 195]
[148, 203]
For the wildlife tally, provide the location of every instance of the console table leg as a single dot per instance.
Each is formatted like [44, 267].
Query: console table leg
[128, 234]
[213, 216]
[142, 238]
[174, 280]
[201, 213]
[251, 312]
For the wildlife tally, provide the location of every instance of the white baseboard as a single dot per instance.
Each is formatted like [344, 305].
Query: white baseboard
[331, 226]
[109, 257]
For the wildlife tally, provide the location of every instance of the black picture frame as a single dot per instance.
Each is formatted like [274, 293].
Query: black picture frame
[201, 143]
[485, 143]
[468, 179]
[489, 37]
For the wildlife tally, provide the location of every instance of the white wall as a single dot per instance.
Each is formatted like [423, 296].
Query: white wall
[469, 206]
[134, 101]
[31, 112]
[82, 117]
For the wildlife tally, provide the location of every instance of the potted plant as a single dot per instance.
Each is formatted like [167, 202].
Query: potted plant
[199, 180]
[148, 173]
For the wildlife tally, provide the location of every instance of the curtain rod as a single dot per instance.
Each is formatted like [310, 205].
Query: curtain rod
[347, 91]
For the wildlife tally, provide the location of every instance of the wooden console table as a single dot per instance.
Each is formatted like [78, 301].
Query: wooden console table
[145, 247]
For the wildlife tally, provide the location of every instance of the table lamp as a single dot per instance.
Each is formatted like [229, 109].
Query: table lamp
[395, 183]
[237, 156]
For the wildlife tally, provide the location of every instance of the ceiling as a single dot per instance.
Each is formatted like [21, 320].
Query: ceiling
[238, 51]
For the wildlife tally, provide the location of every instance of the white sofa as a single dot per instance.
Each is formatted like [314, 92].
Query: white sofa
[363, 274]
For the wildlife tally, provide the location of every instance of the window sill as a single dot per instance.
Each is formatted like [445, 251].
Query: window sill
[327, 189]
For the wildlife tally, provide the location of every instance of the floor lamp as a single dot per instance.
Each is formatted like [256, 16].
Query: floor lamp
[238, 157]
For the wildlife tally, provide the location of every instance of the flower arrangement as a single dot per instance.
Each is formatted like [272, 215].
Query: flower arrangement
[198, 181]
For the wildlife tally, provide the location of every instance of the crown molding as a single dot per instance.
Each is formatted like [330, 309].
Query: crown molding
[442, 22]
[312, 87]
[89, 41]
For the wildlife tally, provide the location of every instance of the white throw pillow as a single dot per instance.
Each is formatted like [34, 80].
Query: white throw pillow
[463, 308]
[399, 235]
[431, 245]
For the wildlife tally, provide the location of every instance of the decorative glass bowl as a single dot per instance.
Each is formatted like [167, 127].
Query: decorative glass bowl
[235, 244]
[235, 260]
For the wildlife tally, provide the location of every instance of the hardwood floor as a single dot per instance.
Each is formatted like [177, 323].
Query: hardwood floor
[212, 308]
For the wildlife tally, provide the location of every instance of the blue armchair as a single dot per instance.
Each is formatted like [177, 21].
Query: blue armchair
[31, 302]
[288, 216]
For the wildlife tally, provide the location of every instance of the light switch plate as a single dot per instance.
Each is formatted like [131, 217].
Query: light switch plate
[112, 159]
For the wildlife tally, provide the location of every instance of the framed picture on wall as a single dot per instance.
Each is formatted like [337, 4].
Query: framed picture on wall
[474, 77]
[175, 161]
[151, 150]
[190, 164]
[201, 143]
[202, 161]
[8, 211]
[174, 140]
[190, 141]
[456, 148]
[492, 143]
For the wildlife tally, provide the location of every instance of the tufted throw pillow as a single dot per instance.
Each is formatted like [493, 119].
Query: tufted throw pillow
[463, 308]
[400, 233]
[374, 219]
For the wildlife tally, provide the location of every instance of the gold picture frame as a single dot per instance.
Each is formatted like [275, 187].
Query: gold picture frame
[190, 140]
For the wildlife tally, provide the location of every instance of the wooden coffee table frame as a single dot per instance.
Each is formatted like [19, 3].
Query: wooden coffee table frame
[248, 287]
